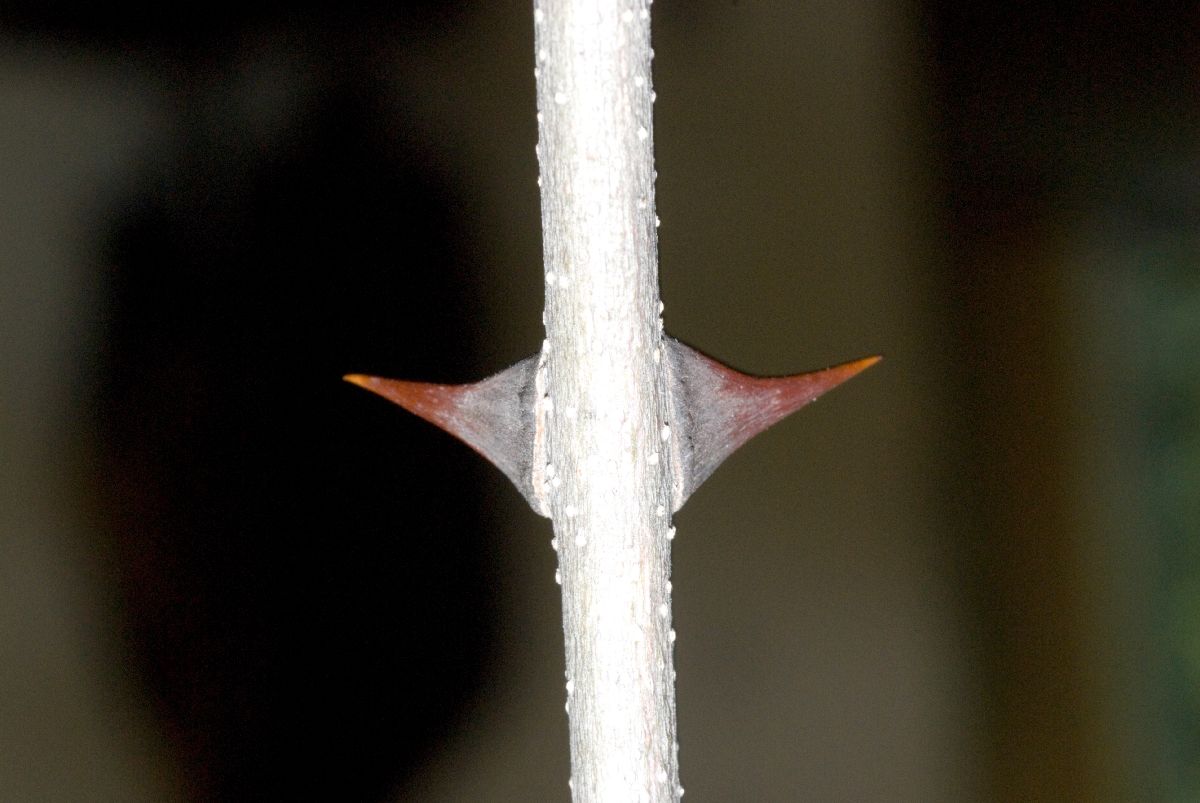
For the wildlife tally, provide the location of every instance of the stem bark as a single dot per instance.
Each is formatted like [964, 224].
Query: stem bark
[603, 467]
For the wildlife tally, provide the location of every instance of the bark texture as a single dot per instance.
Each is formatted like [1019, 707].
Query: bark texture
[602, 466]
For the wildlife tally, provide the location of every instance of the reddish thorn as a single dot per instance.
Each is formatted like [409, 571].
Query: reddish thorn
[490, 416]
[725, 408]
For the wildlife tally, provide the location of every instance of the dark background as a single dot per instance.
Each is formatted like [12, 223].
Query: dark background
[971, 574]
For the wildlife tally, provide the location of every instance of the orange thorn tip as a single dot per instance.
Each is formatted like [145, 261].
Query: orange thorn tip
[829, 378]
[858, 366]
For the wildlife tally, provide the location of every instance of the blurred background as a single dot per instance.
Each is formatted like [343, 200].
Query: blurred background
[972, 574]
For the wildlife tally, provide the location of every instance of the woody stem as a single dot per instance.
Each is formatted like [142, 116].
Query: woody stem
[603, 466]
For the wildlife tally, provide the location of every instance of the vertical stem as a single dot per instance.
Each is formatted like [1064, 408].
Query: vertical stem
[603, 460]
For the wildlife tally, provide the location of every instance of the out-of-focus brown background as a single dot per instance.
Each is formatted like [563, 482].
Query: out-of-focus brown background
[972, 574]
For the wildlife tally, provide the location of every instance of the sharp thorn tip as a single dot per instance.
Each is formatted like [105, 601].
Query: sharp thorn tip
[858, 366]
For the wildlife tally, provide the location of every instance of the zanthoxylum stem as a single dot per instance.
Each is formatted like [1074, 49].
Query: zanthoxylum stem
[602, 396]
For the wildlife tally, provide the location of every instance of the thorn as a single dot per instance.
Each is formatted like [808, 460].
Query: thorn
[494, 416]
[715, 410]
[724, 408]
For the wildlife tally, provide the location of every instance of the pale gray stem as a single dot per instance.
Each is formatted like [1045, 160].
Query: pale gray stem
[603, 467]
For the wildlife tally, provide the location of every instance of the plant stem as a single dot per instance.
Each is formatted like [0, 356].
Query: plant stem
[603, 465]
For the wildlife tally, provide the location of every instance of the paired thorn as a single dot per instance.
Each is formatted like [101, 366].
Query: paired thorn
[493, 416]
[715, 408]
[724, 408]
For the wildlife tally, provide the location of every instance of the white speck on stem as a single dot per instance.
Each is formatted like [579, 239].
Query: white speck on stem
[571, 511]
[581, 539]
[664, 610]
[671, 635]
[652, 459]
[671, 533]
[660, 510]
[560, 98]
[664, 434]
[538, 16]
[642, 133]
[639, 80]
